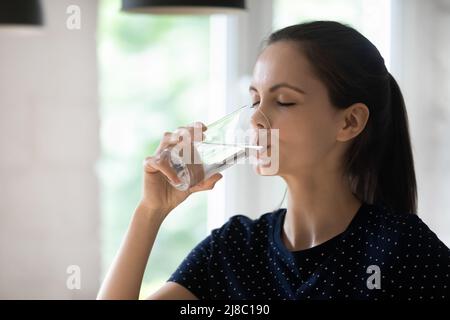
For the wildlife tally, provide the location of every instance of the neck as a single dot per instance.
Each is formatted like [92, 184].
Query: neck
[319, 208]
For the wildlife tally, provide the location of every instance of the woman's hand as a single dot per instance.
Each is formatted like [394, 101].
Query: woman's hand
[158, 194]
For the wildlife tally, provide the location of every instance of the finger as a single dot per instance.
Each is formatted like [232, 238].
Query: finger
[148, 167]
[207, 184]
[168, 139]
[161, 163]
[199, 124]
[194, 132]
[203, 126]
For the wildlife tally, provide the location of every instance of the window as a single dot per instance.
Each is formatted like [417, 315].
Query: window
[154, 75]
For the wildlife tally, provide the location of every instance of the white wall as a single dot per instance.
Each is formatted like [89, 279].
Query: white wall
[420, 61]
[49, 209]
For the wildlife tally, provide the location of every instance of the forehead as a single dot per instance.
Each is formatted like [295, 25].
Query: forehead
[281, 62]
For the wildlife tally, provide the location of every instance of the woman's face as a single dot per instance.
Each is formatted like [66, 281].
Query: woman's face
[287, 92]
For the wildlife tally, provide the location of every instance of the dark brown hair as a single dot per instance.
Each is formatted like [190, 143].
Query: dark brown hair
[379, 162]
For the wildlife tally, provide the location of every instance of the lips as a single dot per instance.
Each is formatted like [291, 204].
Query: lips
[262, 158]
[263, 140]
[263, 150]
[264, 162]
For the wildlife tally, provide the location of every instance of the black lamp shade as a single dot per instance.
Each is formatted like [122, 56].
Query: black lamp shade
[183, 6]
[21, 12]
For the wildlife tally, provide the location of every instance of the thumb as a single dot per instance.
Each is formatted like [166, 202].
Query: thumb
[207, 184]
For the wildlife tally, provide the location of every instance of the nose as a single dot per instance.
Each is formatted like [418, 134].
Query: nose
[259, 119]
[261, 127]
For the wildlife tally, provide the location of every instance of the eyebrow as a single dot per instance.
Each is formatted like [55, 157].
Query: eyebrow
[278, 86]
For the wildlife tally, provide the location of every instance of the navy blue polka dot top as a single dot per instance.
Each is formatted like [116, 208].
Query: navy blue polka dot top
[381, 255]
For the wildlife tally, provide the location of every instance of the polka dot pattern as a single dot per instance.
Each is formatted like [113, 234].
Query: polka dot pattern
[246, 259]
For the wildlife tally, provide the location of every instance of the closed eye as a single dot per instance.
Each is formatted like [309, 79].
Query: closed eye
[283, 104]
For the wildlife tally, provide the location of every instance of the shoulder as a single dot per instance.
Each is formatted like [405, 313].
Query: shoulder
[406, 224]
[243, 228]
[241, 222]
[409, 230]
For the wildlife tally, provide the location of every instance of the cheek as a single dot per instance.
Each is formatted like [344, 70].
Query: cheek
[307, 138]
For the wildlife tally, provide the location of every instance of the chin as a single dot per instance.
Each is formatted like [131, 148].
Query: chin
[269, 169]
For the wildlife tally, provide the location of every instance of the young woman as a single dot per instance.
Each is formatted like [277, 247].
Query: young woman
[350, 230]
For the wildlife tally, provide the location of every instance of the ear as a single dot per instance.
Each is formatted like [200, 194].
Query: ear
[353, 121]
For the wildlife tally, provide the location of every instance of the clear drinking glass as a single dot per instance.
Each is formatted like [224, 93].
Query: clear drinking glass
[227, 141]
